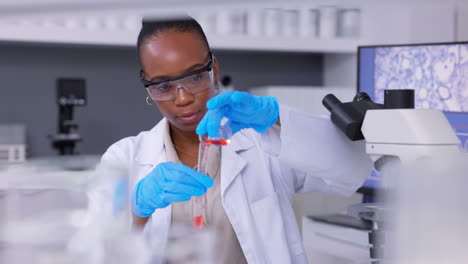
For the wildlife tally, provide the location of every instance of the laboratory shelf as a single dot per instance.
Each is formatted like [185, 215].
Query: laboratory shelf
[285, 44]
[37, 33]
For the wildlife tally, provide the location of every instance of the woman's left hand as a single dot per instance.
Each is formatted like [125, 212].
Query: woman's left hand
[243, 111]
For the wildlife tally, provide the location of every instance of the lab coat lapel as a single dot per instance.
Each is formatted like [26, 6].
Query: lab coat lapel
[232, 162]
[150, 150]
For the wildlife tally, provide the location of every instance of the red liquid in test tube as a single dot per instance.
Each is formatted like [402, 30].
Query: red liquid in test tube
[198, 222]
[220, 142]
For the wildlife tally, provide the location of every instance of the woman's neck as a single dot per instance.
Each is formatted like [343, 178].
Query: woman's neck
[186, 145]
[183, 138]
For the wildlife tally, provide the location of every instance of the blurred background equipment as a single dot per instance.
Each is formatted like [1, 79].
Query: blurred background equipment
[70, 93]
[226, 84]
[41, 204]
[12, 143]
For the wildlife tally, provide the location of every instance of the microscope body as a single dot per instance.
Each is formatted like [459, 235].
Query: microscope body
[424, 179]
[408, 134]
[422, 211]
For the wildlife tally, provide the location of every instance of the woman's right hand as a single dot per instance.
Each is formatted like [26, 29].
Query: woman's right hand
[243, 110]
[167, 183]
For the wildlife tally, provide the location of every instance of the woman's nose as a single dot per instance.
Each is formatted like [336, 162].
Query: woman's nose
[183, 96]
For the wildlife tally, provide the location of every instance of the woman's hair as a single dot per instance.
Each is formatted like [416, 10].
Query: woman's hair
[151, 28]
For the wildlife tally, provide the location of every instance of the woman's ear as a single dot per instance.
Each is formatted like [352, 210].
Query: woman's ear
[215, 69]
[217, 88]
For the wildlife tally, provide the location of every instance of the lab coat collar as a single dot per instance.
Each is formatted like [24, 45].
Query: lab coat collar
[240, 142]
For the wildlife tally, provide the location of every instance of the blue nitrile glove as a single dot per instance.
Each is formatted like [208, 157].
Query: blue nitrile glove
[243, 111]
[167, 183]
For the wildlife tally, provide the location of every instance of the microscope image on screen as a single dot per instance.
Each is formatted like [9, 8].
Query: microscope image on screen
[70, 93]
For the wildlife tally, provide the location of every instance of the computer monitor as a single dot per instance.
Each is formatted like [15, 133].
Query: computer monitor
[438, 73]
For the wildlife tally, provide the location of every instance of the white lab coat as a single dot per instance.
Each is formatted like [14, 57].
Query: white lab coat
[259, 175]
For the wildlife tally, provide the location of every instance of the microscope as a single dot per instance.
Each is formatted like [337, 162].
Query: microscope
[397, 137]
[70, 93]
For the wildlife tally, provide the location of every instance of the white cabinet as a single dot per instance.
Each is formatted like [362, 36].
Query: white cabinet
[332, 244]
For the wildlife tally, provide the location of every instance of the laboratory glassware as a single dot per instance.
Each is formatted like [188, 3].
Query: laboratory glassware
[223, 138]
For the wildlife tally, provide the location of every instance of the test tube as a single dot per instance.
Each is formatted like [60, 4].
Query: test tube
[199, 202]
[223, 138]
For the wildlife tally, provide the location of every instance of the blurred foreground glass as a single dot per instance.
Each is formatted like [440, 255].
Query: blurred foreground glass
[41, 201]
[48, 218]
[186, 245]
[428, 202]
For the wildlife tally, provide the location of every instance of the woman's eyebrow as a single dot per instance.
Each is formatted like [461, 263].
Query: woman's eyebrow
[188, 70]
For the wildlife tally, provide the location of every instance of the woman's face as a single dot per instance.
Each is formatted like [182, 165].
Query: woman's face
[171, 54]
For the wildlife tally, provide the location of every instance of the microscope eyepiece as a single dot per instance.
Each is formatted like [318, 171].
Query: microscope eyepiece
[329, 101]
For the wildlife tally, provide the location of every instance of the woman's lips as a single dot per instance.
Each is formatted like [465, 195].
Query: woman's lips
[189, 117]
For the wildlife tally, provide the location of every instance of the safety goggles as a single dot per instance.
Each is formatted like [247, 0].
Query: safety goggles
[193, 82]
